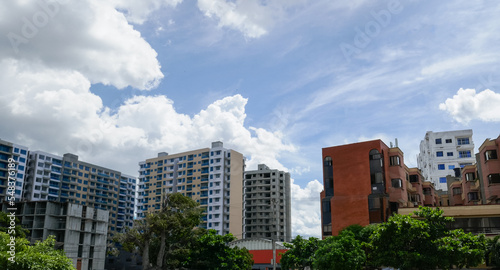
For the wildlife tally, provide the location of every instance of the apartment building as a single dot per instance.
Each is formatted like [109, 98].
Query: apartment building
[267, 204]
[212, 177]
[79, 230]
[13, 165]
[478, 183]
[67, 179]
[488, 167]
[442, 152]
[365, 183]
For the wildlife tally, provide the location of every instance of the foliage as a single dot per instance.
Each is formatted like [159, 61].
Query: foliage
[212, 252]
[164, 239]
[407, 243]
[41, 256]
[340, 252]
[493, 251]
[300, 254]
[461, 249]
[5, 226]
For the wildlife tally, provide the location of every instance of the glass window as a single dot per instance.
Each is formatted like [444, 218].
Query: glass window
[449, 141]
[442, 180]
[470, 176]
[438, 141]
[462, 141]
[464, 154]
[449, 154]
[396, 183]
[490, 154]
[440, 166]
[494, 178]
[457, 191]
[451, 167]
[439, 153]
[395, 161]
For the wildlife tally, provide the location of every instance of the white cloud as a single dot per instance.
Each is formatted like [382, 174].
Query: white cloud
[236, 16]
[467, 105]
[90, 37]
[306, 216]
[55, 111]
[138, 11]
[456, 63]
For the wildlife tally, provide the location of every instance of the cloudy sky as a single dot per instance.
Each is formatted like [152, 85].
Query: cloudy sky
[277, 80]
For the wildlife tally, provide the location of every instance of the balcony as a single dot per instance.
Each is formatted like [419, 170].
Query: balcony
[410, 187]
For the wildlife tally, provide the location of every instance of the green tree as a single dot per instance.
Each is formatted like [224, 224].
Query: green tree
[164, 238]
[300, 254]
[41, 256]
[212, 252]
[461, 249]
[425, 243]
[5, 226]
[493, 251]
[340, 252]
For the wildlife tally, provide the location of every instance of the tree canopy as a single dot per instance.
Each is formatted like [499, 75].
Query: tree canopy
[170, 239]
[403, 242]
[41, 256]
[300, 254]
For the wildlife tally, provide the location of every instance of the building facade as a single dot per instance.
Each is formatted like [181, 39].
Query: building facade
[13, 166]
[212, 177]
[67, 179]
[267, 204]
[488, 168]
[79, 230]
[365, 183]
[442, 152]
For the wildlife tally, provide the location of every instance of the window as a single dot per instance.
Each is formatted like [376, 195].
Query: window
[449, 154]
[448, 141]
[494, 178]
[473, 196]
[414, 178]
[427, 191]
[451, 167]
[438, 141]
[440, 166]
[464, 154]
[395, 161]
[470, 176]
[396, 183]
[457, 191]
[490, 154]
[442, 180]
[462, 141]
[439, 153]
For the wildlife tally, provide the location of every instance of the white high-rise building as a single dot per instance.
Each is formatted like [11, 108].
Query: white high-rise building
[442, 152]
[212, 177]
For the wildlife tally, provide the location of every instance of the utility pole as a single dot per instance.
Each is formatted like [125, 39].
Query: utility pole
[276, 237]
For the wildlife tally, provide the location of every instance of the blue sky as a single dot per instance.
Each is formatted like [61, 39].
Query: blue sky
[275, 80]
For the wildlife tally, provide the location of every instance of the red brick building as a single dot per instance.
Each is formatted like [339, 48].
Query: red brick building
[488, 167]
[364, 183]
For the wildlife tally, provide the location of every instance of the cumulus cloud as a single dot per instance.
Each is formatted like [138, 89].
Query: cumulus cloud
[467, 105]
[90, 37]
[306, 216]
[56, 111]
